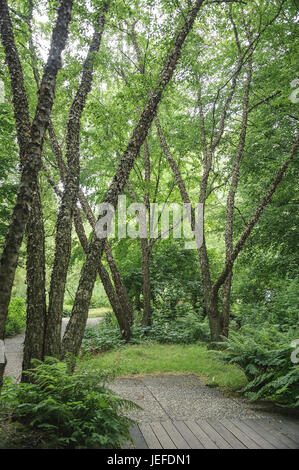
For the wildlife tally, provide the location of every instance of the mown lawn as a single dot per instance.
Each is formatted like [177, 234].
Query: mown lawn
[153, 358]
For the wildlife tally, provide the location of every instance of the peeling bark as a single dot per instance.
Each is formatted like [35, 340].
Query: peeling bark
[36, 295]
[115, 299]
[256, 216]
[118, 296]
[31, 157]
[119, 181]
[36, 298]
[64, 220]
[112, 294]
[121, 290]
[230, 204]
[19, 95]
[35, 266]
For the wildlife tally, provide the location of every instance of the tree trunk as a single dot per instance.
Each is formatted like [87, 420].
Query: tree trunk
[230, 204]
[111, 292]
[112, 295]
[211, 304]
[120, 288]
[96, 246]
[31, 157]
[118, 309]
[36, 295]
[63, 239]
[256, 216]
[225, 304]
[146, 283]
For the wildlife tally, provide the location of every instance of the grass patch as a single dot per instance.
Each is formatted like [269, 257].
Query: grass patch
[153, 358]
[98, 312]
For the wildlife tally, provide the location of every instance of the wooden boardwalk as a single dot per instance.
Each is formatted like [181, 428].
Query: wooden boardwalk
[217, 434]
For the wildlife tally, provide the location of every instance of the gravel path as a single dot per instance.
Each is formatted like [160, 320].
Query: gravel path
[185, 397]
[14, 348]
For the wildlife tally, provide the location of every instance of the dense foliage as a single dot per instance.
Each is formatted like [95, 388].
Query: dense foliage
[16, 319]
[264, 354]
[71, 410]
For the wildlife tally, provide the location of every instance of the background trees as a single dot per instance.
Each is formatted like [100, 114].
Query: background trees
[163, 102]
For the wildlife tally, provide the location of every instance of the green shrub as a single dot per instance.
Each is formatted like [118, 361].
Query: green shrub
[279, 305]
[104, 337]
[73, 410]
[284, 303]
[186, 329]
[67, 310]
[16, 318]
[265, 356]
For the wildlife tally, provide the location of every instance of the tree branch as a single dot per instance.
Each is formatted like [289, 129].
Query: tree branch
[255, 218]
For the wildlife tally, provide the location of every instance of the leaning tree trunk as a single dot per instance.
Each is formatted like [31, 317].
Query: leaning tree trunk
[76, 326]
[36, 301]
[256, 216]
[230, 205]
[63, 240]
[122, 293]
[210, 298]
[112, 293]
[31, 157]
[118, 297]
[122, 319]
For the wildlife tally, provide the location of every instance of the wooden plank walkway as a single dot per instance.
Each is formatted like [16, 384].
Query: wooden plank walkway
[217, 434]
